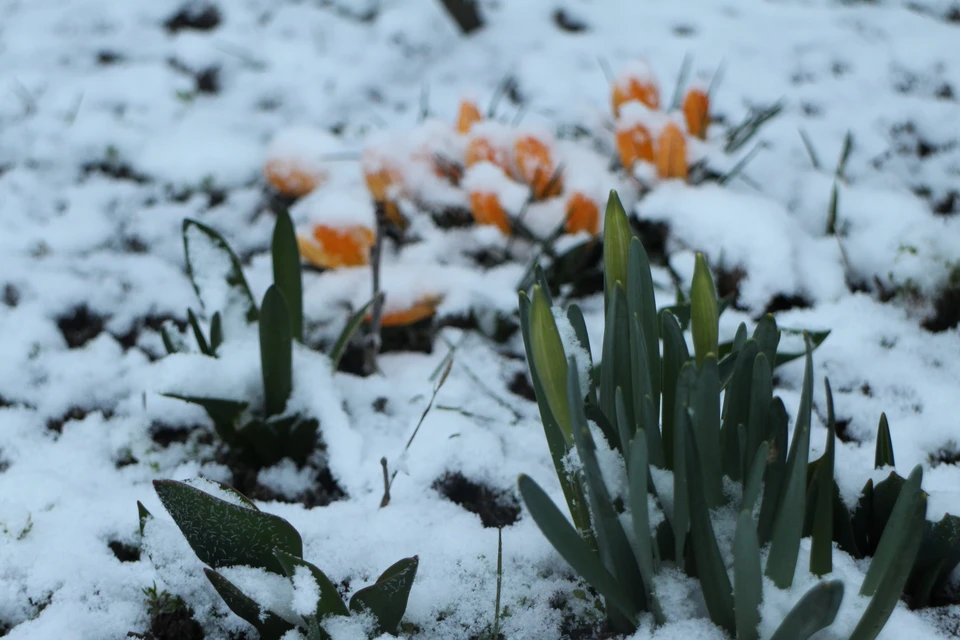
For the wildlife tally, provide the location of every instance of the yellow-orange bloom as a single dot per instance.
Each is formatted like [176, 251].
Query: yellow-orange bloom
[480, 149]
[696, 110]
[672, 153]
[422, 309]
[582, 214]
[337, 247]
[635, 88]
[292, 178]
[467, 116]
[634, 143]
[379, 183]
[486, 209]
[536, 167]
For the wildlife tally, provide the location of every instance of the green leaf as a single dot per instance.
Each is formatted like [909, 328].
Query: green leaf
[556, 442]
[645, 407]
[704, 316]
[816, 339]
[171, 342]
[637, 471]
[575, 316]
[215, 272]
[387, 598]
[224, 413]
[198, 333]
[675, 354]
[617, 234]
[353, 323]
[330, 602]
[642, 304]
[816, 610]
[616, 365]
[788, 527]
[761, 393]
[276, 351]
[223, 534]
[615, 551]
[884, 454]
[216, 333]
[686, 388]
[895, 533]
[286, 271]
[706, 428]
[747, 578]
[904, 533]
[144, 515]
[717, 591]
[752, 480]
[939, 555]
[269, 625]
[776, 469]
[767, 336]
[821, 553]
[736, 408]
[565, 539]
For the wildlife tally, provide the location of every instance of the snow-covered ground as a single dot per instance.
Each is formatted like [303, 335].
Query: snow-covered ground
[118, 121]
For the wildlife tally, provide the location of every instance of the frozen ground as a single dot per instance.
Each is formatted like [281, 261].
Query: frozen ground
[116, 123]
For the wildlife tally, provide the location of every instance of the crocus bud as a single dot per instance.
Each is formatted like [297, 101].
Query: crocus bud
[704, 314]
[582, 214]
[486, 209]
[634, 143]
[536, 167]
[467, 116]
[549, 360]
[636, 83]
[696, 111]
[671, 153]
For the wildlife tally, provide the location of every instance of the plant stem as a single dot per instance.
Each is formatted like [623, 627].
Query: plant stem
[373, 341]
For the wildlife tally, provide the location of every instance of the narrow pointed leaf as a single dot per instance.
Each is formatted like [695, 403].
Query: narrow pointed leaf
[776, 469]
[549, 359]
[223, 534]
[761, 393]
[675, 354]
[642, 304]
[703, 311]
[908, 532]
[821, 553]
[198, 333]
[686, 387]
[753, 480]
[788, 526]
[224, 413]
[895, 533]
[644, 406]
[816, 610]
[276, 351]
[615, 366]
[349, 329]
[330, 602]
[387, 598]
[706, 428]
[747, 578]
[816, 339]
[286, 271]
[717, 590]
[637, 471]
[565, 539]
[884, 454]
[144, 515]
[216, 333]
[616, 243]
[171, 341]
[215, 272]
[269, 625]
[736, 408]
[575, 316]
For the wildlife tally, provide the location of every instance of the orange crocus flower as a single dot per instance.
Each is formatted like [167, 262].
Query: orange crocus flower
[696, 111]
[467, 116]
[291, 178]
[486, 209]
[672, 153]
[379, 183]
[582, 214]
[331, 247]
[636, 86]
[422, 309]
[480, 149]
[634, 143]
[536, 167]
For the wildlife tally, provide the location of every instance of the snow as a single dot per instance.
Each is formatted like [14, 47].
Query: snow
[108, 141]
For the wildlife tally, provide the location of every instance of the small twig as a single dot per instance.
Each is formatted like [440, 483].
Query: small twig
[844, 156]
[496, 609]
[832, 210]
[740, 166]
[484, 388]
[386, 483]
